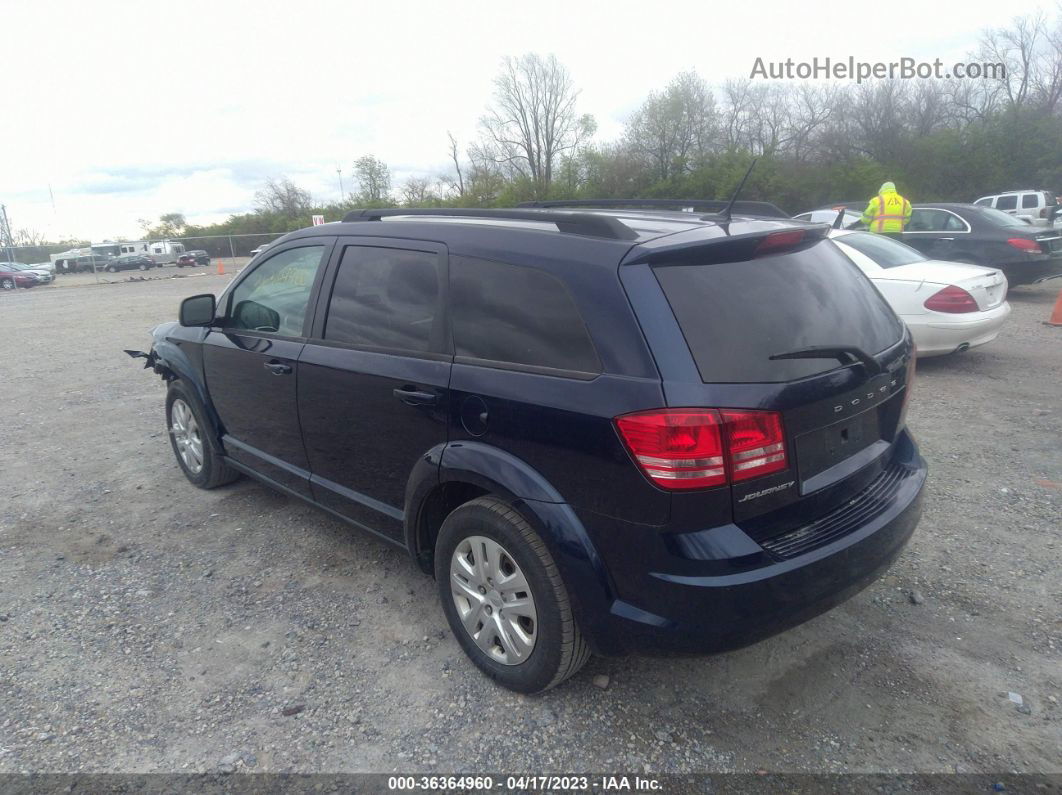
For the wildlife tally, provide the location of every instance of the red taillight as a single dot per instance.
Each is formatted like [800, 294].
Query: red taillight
[755, 443]
[778, 241]
[676, 448]
[702, 448]
[1024, 244]
[952, 299]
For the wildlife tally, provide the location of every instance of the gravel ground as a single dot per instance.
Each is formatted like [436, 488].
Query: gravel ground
[149, 626]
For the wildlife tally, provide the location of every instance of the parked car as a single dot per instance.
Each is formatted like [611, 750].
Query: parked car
[985, 236]
[1039, 207]
[187, 260]
[602, 431]
[128, 262]
[11, 277]
[201, 256]
[83, 263]
[44, 276]
[949, 307]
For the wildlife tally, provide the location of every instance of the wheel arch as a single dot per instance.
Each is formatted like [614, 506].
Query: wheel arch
[455, 473]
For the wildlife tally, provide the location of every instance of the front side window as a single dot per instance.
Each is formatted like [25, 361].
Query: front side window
[516, 315]
[984, 202]
[384, 298]
[274, 296]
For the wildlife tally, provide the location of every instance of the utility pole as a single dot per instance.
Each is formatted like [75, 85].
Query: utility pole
[339, 173]
[6, 237]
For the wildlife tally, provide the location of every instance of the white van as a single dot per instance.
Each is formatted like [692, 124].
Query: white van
[1039, 207]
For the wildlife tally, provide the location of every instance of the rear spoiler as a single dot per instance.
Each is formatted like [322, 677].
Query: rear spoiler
[733, 248]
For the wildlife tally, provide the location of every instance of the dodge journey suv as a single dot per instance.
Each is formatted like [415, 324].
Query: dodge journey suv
[601, 430]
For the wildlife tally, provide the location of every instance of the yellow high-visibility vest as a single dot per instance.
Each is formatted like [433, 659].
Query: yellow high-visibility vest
[887, 212]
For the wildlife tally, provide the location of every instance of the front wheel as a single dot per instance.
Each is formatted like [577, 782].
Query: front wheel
[504, 598]
[197, 457]
[111, 269]
[143, 267]
[7, 284]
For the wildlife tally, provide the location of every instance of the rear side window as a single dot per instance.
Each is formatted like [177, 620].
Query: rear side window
[507, 314]
[1030, 200]
[886, 252]
[1007, 202]
[1049, 199]
[736, 315]
[384, 298]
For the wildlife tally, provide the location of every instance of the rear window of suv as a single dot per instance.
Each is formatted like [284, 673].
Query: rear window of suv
[736, 315]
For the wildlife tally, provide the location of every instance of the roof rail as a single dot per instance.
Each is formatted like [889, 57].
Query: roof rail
[587, 224]
[763, 209]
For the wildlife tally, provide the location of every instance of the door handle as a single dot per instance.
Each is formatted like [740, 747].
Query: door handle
[278, 368]
[413, 397]
[945, 238]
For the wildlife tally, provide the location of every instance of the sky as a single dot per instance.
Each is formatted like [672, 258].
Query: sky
[119, 111]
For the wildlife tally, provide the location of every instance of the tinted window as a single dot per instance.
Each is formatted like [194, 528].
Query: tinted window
[517, 315]
[274, 296]
[1049, 199]
[384, 298]
[885, 251]
[1000, 218]
[735, 316]
[928, 221]
[1006, 202]
[1029, 200]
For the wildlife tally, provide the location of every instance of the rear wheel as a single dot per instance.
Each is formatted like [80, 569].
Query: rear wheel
[504, 598]
[143, 267]
[7, 284]
[189, 437]
[111, 269]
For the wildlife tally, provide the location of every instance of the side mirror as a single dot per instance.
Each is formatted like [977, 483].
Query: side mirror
[198, 310]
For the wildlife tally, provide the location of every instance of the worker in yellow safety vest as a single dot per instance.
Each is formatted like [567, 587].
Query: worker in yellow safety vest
[888, 212]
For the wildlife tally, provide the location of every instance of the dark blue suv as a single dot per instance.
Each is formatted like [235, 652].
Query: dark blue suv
[601, 430]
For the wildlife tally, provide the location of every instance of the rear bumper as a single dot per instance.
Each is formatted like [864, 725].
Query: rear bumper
[937, 334]
[1031, 270]
[693, 613]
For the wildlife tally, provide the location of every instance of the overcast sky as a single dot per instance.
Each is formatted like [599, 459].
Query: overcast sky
[130, 110]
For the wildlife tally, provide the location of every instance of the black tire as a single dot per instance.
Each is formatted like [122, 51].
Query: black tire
[111, 269]
[560, 650]
[7, 284]
[143, 267]
[214, 472]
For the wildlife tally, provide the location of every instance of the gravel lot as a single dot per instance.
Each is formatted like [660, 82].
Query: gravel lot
[149, 626]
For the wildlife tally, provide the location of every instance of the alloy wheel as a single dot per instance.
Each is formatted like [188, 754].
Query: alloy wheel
[494, 600]
[186, 436]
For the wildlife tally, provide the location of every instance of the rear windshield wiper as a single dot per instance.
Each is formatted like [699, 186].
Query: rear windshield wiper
[845, 354]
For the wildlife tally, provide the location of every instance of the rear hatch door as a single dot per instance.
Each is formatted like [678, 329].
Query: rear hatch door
[842, 412]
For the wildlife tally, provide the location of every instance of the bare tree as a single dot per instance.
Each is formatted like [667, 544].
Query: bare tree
[283, 197]
[457, 183]
[417, 191]
[374, 179]
[28, 237]
[533, 120]
[1016, 48]
[673, 128]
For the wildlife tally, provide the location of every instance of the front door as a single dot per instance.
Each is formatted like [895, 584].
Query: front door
[251, 362]
[938, 234]
[373, 377]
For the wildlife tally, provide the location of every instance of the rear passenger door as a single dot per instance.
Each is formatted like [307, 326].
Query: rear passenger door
[373, 378]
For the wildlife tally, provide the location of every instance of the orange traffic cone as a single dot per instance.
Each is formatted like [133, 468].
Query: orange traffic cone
[221, 268]
[1056, 313]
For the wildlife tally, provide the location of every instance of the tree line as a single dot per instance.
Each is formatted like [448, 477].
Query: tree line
[816, 142]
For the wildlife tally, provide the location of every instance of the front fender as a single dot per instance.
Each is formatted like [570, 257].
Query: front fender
[513, 480]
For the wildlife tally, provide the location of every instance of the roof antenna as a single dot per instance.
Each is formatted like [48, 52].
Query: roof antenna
[725, 215]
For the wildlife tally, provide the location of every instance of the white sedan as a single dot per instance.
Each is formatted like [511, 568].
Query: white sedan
[949, 306]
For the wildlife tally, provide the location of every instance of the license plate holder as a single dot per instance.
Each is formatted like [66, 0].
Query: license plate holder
[825, 447]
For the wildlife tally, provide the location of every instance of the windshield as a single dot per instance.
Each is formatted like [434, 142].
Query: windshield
[736, 315]
[883, 251]
[1000, 218]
